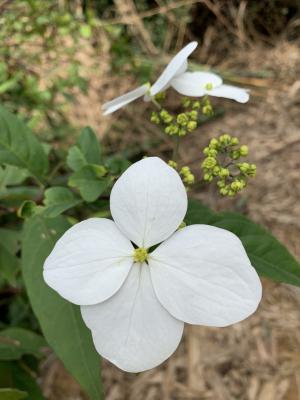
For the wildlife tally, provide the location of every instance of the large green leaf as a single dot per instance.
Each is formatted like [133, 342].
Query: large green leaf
[60, 320]
[16, 342]
[19, 146]
[267, 254]
[59, 199]
[12, 394]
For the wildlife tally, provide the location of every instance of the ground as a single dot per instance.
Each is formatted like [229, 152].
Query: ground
[258, 359]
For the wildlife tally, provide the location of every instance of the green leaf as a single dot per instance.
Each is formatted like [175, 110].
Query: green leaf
[60, 320]
[87, 151]
[12, 394]
[16, 342]
[76, 159]
[10, 175]
[14, 196]
[267, 254]
[57, 200]
[117, 165]
[90, 181]
[13, 374]
[19, 146]
[90, 146]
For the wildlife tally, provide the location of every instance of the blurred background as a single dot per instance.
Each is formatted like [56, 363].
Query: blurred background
[60, 60]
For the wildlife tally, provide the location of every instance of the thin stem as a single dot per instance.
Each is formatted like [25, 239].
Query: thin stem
[55, 170]
[156, 103]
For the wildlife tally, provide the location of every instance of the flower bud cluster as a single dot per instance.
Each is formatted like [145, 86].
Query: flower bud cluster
[187, 176]
[178, 125]
[221, 163]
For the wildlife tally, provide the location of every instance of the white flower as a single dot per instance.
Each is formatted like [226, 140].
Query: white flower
[176, 66]
[135, 299]
[197, 84]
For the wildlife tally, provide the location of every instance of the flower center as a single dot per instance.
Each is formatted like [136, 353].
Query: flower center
[209, 86]
[140, 255]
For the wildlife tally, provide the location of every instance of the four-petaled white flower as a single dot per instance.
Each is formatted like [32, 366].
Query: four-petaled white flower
[176, 66]
[136, 298]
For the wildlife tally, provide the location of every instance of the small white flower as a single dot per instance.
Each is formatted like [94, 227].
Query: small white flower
[176, 66]
[135, 299]
[197, 84]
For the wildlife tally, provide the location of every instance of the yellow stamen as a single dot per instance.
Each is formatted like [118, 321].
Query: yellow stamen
[140, 255]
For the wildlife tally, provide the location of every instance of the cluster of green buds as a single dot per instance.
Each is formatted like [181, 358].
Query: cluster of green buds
[176, 125]
[187, 176]
[204, 105]
[184, 122]
[222, 163]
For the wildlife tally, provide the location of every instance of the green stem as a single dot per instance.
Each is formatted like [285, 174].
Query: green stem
[156, 103]
[55, 170]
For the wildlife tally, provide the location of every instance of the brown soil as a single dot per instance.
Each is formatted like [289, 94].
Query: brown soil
[258, 359]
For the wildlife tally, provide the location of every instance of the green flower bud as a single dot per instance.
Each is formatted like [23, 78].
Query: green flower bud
[214, 143]
[244, 151]
[224, 191]
[155, 118]
[234, 141]
[191, 126]
[182, 119]
[165, 116]
[210, 152]
[207, 110]
[171, 130]
[224, 173]
[208, 177]
[173, 164]
[225, 139]
[209, 162]
[193, 115]
[189, 179]
[196, 105]
[216, 170]
[185, 170]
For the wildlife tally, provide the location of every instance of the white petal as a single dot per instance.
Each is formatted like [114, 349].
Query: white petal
[132, 329]
[148, 202]
[230, 92]
[202, 275]
[126, 98]
[194, 83]
[176, 66]
[89, 262]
